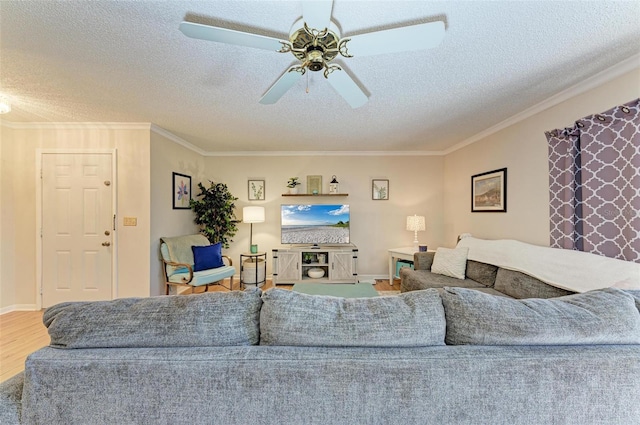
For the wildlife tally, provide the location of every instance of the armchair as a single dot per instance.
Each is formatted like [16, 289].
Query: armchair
[180, 268]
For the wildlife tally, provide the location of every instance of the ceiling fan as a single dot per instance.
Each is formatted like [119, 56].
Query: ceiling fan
[315, 42]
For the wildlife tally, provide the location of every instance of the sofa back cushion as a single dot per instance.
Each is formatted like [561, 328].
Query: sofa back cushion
[201, 320]
[482, 272]
[520, 285]
[413, 319]
[606, 316]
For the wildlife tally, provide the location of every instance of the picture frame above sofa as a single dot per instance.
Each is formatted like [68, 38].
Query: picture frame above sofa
[489, 191]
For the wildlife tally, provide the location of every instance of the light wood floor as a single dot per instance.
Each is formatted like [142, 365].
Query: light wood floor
[22, 332]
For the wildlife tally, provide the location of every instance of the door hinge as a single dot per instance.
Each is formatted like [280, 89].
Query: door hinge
[114, 222]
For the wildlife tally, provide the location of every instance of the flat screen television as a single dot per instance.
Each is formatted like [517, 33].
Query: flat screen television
[319, 224]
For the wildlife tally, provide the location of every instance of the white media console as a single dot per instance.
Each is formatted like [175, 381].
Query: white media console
[337, 264]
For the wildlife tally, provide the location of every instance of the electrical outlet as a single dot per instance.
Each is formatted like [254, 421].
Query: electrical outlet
[130, 221]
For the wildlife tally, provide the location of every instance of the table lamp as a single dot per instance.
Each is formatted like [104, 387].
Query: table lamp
[252, 215]
[416, 223]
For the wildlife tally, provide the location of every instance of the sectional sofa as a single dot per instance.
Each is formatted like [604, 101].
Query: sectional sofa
[455, 356]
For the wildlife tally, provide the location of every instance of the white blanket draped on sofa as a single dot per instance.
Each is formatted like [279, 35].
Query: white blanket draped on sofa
[567, 269]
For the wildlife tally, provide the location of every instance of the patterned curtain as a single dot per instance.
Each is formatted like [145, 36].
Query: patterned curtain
[594, 184]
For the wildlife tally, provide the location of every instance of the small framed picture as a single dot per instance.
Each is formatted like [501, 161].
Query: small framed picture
[256, 190]
[314, 185]
[181, 191]
[489, 191]
[380, 190]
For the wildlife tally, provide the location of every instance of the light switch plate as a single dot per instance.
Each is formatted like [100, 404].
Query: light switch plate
[130, 221]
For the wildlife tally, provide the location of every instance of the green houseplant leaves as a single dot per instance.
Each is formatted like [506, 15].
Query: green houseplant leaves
[215, 213]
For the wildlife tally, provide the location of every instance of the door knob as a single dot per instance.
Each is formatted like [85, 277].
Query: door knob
[106, 243]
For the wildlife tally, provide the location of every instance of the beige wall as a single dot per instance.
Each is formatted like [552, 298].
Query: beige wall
[435, 186]
[415, 188]
[168, 157]
[522, 148]
[18, 218]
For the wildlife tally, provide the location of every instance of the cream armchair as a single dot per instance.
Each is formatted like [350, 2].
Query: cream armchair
[182, 268]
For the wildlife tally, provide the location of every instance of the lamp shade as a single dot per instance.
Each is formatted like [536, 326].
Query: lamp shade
[416, 223]
[253, 214]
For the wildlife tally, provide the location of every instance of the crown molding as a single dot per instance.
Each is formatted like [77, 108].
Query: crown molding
[325, 153]
[179, 140]
[76, 125]
[596, 80]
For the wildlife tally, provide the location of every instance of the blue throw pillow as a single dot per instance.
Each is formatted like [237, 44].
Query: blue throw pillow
[207, 257]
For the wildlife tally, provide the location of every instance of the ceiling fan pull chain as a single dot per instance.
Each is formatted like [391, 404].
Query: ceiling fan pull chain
[307, 83]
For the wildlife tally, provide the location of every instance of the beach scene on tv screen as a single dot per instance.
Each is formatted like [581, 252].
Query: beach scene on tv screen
[315, 224]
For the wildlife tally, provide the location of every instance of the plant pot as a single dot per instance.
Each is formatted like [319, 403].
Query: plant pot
[293, 190]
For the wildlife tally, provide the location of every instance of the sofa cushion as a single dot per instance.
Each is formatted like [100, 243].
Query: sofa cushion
[414, 319]
[207, 257]
[423, 260]
[606, 316]
[520, 285]
[482, 272]
[450, 262]
[201, 320]
[413, 280]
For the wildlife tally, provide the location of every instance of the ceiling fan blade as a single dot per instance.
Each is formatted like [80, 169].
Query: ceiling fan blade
[347, 88]
[403, 39]
[317, 13]
[224, 35]
[280, 87]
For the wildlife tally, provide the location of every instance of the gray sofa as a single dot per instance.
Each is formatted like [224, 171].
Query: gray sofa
[479, 276]
[425, 357]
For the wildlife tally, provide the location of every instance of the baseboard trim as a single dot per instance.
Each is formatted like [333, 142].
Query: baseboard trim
[18, 307]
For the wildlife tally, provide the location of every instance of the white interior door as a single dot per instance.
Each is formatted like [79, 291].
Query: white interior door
[77, 227]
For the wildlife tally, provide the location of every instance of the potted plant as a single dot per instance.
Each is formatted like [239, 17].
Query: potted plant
[215, 213]
[293, 184]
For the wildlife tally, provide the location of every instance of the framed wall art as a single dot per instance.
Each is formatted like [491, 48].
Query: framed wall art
[256, 190]
[181, 191]
[380, 190]
[314, 185]
[489, 191]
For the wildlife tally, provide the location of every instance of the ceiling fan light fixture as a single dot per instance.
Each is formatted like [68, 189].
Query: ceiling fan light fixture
[315, 60]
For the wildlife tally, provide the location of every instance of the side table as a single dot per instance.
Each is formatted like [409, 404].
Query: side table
[253, 269]
[395, 254]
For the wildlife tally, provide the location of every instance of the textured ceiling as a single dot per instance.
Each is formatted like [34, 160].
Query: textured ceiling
[126, 61]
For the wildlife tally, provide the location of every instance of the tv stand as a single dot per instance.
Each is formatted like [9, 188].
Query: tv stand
[291, 265]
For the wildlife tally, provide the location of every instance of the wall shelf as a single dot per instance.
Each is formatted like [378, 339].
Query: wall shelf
[319, 195]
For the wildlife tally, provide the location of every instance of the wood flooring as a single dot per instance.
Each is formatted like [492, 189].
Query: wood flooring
[22, 332]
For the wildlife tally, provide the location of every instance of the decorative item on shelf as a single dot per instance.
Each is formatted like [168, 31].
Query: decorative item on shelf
[416, 223]
[252, 215]
[315, 273]
[334, 186]
[322, 258]
[293, 184]
[307, 258]
[314, 185]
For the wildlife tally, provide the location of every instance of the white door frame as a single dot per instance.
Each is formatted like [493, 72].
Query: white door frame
[114, 182]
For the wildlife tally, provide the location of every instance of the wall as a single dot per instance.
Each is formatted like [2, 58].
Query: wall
[522, 148]
[168, 157]
[416, 187]
[18, 219]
